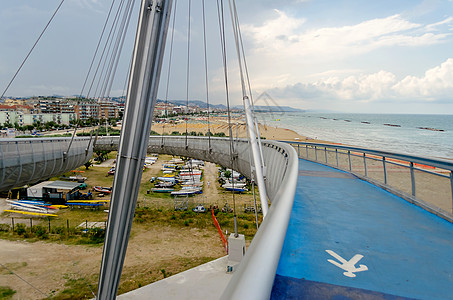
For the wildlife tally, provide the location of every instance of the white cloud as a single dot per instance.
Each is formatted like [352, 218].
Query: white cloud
[436, 84]
[434, 26]
[93, 5]
[365, 87]
[285, 37]
[295, 63]
[46, 89]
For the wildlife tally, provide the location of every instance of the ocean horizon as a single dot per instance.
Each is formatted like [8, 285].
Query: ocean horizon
[415, 134]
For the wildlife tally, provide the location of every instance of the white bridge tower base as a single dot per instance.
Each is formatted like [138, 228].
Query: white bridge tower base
[236, 251]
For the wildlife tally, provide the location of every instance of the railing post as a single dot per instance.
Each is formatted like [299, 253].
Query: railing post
[336, 155]
[451, 182]
[316, 153]
[325, 153]
[349, 158]
[364, 165]
[306, 149]
[412, 178]
[385, 169]
[298, 150]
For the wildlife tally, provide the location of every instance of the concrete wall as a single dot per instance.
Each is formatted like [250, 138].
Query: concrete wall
[27, 161]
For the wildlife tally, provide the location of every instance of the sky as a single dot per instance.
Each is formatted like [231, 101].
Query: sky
[345, 55]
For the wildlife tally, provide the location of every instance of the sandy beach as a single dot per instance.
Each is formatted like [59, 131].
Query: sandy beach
[220, 125]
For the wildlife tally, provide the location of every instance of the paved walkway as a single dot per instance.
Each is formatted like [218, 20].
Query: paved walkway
[348, 239]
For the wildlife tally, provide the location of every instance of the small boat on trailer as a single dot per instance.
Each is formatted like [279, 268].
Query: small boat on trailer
[104, 190]
[162, 190]
[18, 205]
[190, 173]
[30, 213]
[235, 185]
[240, 190]
[167, 179]
[196, 184]
[188, 191]
[235, 188]
[164, 184]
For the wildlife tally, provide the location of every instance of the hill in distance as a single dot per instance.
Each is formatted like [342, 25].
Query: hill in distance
[258, 108]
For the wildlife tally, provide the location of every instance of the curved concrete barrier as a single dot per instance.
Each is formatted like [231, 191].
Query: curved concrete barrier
[27, 161]
[218, 150]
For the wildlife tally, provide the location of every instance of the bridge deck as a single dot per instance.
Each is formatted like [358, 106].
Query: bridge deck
[408, 252]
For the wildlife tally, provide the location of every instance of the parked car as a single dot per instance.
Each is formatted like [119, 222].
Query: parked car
[199, 209]
[111, 171]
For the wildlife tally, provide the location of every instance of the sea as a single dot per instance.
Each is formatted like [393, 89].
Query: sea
[415, 134]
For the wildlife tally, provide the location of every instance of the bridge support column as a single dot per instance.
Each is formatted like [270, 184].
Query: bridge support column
[141, 97]
[236, 251]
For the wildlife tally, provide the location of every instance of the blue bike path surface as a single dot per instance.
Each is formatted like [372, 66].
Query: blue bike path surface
[348, 239]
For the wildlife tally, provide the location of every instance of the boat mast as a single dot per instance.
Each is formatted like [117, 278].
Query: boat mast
[141, 98]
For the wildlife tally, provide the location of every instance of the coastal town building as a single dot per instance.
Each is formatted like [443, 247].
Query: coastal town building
[168, 109]
[58, 110]
[64, 110]
[108, 110]
[22, 119]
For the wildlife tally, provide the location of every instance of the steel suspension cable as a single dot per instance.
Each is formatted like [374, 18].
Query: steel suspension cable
[225, 67]
[188, 68]
[109, 53]
[241, 46]
[247, 78]
[89, 71]
[118, 49]
[9, 270]
[31, 50]
[169, 68]
[221, 18]
[127, 78]
[254, 138]
[234, 21]
[97, 48]
[206, 72]
[255, 206]
[77, 268]
[104, 49]
[94, 77]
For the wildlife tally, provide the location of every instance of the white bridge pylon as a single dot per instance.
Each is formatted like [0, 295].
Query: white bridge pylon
[256, 155]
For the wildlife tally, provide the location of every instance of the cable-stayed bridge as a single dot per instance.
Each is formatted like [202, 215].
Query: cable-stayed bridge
[341, 228]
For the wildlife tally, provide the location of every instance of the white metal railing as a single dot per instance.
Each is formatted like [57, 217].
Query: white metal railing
[426, 182]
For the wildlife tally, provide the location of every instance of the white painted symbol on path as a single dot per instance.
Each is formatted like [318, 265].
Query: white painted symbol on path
[348, 266]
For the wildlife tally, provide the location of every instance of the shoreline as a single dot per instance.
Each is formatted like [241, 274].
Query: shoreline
[238, 129]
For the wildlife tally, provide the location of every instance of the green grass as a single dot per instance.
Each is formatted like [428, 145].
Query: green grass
[77, 288]
[147, 215]
[163, 270]
[6, 292]
[151, 217]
